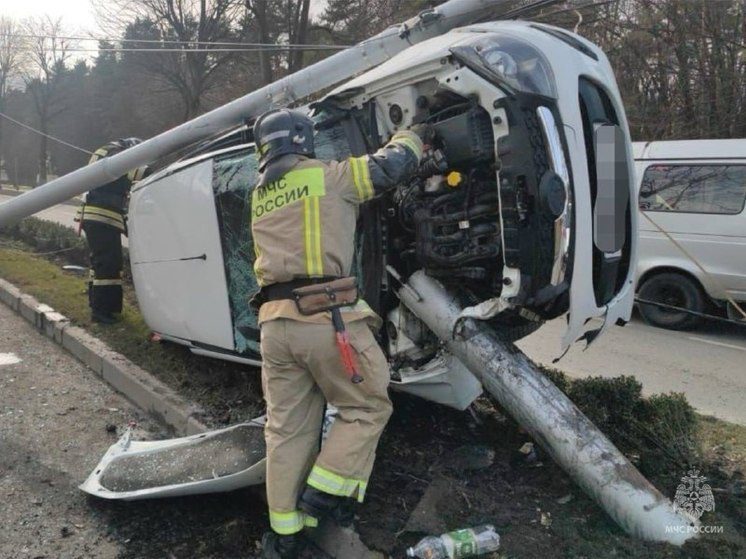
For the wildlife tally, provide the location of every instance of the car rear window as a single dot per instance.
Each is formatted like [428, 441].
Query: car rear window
[712, 189]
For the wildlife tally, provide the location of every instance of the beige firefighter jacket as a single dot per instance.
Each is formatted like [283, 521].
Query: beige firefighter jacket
[303, 224]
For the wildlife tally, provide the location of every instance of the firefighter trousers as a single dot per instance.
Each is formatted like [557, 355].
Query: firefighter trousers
[105, 245]
[302, 371]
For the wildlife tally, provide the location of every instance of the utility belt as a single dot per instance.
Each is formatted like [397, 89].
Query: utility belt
[311, 295]
[315, 295]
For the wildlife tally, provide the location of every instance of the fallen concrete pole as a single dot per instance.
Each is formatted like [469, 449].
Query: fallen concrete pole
[571, 439]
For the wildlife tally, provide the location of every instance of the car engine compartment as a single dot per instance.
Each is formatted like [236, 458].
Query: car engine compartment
[453, 220]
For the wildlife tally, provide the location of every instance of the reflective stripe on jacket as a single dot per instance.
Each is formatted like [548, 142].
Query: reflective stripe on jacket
[303, 224]
[113, 195]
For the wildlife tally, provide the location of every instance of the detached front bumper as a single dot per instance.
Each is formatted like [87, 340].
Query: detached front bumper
[213, 462]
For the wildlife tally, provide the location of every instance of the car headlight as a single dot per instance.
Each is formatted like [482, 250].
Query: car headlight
[513, 62]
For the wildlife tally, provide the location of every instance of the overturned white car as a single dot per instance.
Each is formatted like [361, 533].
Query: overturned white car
[530, 219]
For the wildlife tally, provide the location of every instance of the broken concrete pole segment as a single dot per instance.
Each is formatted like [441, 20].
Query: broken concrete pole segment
[572, 440]
[306, 82]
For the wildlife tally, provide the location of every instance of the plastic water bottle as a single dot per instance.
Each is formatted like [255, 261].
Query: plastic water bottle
[468, 542]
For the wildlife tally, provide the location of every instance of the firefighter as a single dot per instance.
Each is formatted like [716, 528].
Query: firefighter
[102, 217]
[304, 213]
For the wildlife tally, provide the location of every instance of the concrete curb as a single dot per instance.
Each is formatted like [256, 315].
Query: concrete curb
[150, 395]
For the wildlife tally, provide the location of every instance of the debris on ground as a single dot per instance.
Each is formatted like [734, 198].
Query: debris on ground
[466, 542]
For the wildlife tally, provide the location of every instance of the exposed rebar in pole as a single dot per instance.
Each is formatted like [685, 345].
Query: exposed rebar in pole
[306, 82]
[570, 438]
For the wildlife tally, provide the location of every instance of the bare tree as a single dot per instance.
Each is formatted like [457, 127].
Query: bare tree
[261, 11]
[48, 51]
[11, 62]
[185, 26]
[681, 65]
[280, 22]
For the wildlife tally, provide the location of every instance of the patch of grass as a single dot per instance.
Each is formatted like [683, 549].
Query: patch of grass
[228, 392]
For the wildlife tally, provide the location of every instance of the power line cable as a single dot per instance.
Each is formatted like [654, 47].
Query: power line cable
[180, 50]
[32, 129]
[572, 9]
[177, 42]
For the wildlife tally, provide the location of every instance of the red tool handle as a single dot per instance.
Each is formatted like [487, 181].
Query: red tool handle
[345, 348]
[348, 358]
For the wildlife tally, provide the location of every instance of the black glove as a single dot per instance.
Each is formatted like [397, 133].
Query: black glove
[433, 163]
[425, 131]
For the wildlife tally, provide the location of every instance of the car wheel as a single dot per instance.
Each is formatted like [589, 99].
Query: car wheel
[675, 290]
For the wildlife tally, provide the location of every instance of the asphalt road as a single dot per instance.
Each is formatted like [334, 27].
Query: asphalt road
[54, 415]
[708, 364]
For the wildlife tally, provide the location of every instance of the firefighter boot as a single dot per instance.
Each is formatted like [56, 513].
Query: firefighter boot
[276, 546]
[319, 505]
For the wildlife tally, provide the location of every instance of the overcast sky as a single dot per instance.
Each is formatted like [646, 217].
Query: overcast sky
[77, 15]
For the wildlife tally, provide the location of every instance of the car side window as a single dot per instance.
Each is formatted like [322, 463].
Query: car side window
[712, 189]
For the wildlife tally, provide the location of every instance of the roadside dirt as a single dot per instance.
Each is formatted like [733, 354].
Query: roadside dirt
[537, 509]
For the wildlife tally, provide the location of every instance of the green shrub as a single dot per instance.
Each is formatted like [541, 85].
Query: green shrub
[53, 239]
[49, 237]
[658, 433]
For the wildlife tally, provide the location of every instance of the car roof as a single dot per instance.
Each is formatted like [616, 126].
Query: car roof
[690, 149]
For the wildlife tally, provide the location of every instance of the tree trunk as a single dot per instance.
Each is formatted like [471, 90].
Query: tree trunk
[42, 178]
[265, 57]
[299, 35]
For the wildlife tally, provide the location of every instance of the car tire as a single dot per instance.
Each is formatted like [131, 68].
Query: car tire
[672, 289]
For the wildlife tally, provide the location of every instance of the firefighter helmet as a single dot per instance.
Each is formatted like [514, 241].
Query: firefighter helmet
[280, 132]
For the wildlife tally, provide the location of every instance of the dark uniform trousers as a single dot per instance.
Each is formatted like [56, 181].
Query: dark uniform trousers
[105, 287]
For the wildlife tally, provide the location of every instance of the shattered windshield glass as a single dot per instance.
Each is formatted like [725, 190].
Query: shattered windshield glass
[234, 176]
